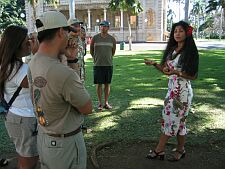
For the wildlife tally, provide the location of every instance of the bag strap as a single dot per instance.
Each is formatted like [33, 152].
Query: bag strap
[14, 96]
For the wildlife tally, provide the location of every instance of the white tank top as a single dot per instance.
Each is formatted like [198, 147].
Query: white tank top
[22, 105]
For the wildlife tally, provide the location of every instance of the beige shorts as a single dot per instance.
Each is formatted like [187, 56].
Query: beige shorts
[62, 153]
[22, 131]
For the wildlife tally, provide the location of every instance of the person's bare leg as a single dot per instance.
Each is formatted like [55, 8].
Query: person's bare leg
[107, 93]
[99, 93]
[181, 142]
[160, 148]
[27, 162]
[180, 147]
[162, 143]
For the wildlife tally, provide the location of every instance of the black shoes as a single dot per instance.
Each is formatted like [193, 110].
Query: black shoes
[161, 154]
[154, 154]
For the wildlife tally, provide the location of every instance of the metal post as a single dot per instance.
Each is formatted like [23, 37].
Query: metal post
[72, 9]
[89, 20]
[105, 13]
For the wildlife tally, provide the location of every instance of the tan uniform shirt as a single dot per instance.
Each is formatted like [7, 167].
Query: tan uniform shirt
[57, 91]
[80, 56]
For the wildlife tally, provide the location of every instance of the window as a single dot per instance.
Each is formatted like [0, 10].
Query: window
[117, 21]
[133, 21]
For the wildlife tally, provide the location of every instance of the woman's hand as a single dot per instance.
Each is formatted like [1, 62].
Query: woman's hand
[150, 62]
[168, 71]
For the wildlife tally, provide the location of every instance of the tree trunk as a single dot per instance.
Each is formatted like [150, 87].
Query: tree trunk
[130, 33]
[197, 34]
[34, 17]
[179, 10]
[186, 10]
[221, 23]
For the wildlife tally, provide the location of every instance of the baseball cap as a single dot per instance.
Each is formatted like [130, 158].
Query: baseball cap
[104, 23]
[51, 20]
[74, 21]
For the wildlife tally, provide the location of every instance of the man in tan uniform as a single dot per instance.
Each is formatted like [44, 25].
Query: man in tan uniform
[59, 97]
[76, 36]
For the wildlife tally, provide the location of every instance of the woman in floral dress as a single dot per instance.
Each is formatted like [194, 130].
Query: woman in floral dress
[180, 63]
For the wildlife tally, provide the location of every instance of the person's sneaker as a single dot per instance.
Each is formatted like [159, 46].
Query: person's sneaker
[99, 107]
[107, 106]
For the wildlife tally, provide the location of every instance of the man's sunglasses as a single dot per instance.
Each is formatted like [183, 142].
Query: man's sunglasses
[70, 29]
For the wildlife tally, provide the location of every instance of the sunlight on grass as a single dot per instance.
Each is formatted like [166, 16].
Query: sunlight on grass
[144, 84]
[217, 88]
[137, 97]
[210, 80]
[106, 122]
[145, 102]
[216, 116]
[138, 52]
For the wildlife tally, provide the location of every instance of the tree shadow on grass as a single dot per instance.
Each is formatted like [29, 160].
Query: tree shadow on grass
[135, 83]
[137, 96]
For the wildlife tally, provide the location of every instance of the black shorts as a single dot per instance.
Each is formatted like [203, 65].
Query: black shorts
[102, 74]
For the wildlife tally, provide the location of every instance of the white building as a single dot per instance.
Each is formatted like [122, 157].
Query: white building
[150, 25]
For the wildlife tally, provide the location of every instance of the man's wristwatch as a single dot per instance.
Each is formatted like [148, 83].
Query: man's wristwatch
[72, 61]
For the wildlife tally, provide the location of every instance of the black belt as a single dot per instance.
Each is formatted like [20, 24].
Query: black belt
[67, 134]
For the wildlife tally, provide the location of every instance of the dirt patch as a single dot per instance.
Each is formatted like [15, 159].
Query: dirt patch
[132, 156]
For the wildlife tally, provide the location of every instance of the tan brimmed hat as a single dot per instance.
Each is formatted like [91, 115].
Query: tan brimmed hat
[53, 19]
[74, 21]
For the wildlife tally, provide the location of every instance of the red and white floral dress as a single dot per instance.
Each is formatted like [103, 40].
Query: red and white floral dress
[177, 102]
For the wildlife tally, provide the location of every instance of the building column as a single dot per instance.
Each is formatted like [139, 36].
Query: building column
[121, 20]
[105, 13]
[72, 9]
[89, 20]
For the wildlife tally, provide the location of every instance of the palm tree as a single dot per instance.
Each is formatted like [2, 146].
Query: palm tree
[216, 5]
[170, 16]
[186, 9]
[179, 3]
[197, 11]
[131, 7]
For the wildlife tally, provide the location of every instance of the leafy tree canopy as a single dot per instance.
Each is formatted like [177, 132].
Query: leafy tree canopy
[133, 6]
[214, 5]
[10, 13]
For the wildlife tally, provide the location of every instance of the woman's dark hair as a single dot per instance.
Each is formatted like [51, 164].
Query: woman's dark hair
[10, 46]
[189, 58]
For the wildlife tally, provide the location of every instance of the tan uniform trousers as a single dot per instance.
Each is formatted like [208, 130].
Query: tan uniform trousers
[62, 152]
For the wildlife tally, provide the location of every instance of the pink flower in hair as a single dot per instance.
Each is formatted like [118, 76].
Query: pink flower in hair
[189, 31]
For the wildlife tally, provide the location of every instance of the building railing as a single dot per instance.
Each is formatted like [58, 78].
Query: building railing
[117, 29]
[65, 2]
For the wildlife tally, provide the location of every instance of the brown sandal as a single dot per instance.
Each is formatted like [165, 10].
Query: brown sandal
[180, 155]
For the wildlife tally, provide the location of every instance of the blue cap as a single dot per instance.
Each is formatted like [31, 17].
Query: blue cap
[104, 23]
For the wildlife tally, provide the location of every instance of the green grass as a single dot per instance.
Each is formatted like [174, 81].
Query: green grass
[137, 93]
